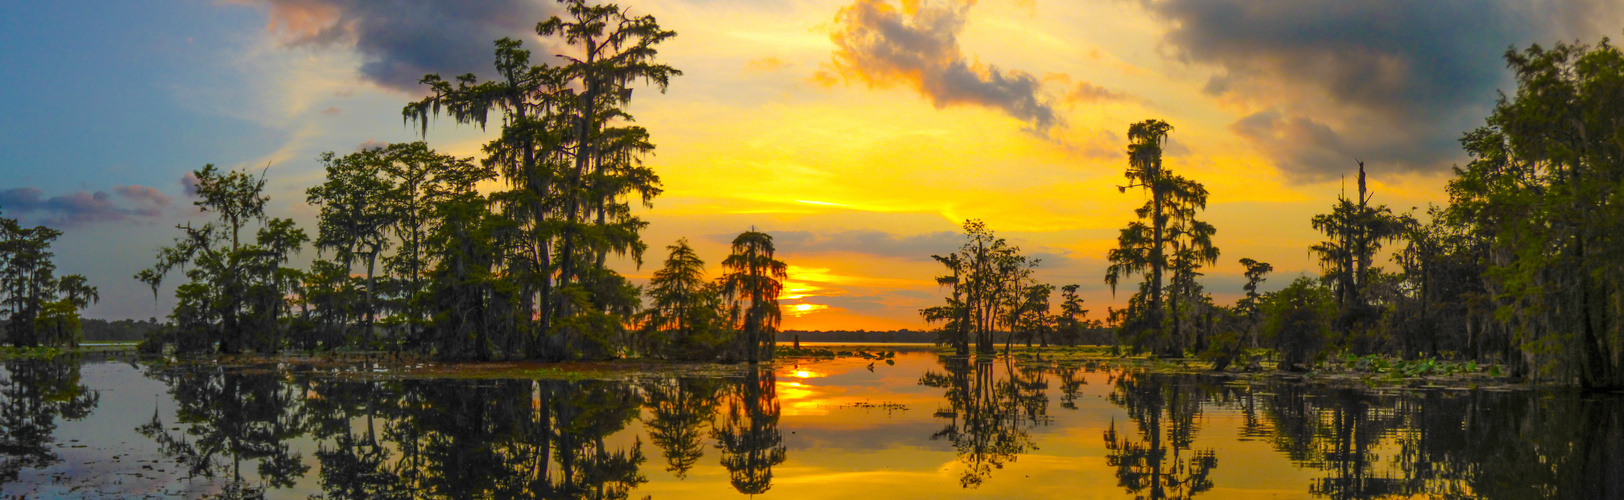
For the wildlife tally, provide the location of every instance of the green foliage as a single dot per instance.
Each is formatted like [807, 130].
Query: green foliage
[1357, 231]
[36, 306]
[687, 318]
[1222, 350]
[1297, 320]
[1542, 189]
[236, 293]
[58, 323]
[124, 330]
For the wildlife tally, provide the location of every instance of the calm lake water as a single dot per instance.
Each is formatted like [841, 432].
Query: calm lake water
[927, 427]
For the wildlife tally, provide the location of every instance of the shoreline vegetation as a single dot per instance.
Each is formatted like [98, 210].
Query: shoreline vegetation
[419, 257]
[1369, 372]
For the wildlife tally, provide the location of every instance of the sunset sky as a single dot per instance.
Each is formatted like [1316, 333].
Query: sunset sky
[859, 133]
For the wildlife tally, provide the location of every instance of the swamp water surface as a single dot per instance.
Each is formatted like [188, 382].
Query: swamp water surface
[927, 427]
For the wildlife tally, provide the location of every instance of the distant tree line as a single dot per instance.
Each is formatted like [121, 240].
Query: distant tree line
[1521, 268]
[501, 258]
[37, 307]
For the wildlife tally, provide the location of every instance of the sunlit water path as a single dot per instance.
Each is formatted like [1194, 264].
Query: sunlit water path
[925, 427]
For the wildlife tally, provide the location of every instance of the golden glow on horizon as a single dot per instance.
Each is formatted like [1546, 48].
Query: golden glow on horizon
[800, 310]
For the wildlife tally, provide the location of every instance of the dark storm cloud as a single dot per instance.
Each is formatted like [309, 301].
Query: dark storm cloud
[917, 45]
[1309, 150]
[1420, 70]
[142, 204]
[401, 40]
[870, 242]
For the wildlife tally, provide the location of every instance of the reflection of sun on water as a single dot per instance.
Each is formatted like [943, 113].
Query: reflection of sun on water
[801, 397]
[793, 393]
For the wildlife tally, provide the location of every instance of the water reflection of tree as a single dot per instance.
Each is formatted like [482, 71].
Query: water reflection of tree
[1516, 445]
[354, 463]
[232, 418]
[1071, 381]
[1339, 438]
[748, 433]
[465, 439]
[1166, 411]
[33, 394]
[988, 418]
[1446, 444]
[407, 438]
[679, 411]
[585, 417]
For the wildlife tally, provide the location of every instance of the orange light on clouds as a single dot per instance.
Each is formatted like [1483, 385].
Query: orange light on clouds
[799, 310]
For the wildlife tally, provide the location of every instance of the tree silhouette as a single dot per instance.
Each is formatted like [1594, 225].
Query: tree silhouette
[356, 216]
[955, 315]
[1166, 222]
[1248, 306]
[236, 294]
[753, 274]
[1356, 230]
[990, 278]
[685, 319]
[570, 156]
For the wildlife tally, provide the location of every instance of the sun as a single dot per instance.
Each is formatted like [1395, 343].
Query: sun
[803, 307]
